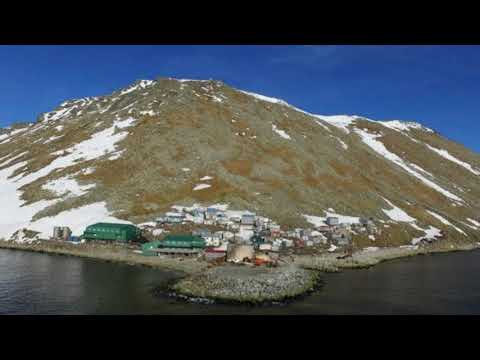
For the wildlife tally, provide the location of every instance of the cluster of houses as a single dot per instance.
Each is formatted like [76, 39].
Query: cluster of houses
[250, 232]
[237, 236]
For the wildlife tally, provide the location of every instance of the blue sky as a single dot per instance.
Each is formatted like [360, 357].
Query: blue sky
[438, 86]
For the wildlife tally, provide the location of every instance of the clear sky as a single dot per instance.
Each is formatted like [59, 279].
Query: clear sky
[438, 86]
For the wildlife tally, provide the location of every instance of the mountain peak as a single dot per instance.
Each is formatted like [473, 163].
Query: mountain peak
[125, 156]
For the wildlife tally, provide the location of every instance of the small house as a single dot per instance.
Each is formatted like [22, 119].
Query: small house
[332, 221]
[174, 218]
[341, 238]
[248, 219]
[211, 213]
[324, 229]
[367, 221]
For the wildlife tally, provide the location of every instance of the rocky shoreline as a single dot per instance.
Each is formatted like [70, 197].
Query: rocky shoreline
[239, 284]
[248, 285]
[364, 259]
[111, 253]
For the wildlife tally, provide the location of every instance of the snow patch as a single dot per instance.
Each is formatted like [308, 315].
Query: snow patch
[340, 121]
[201, 187]
[445, 221]
[476, 223]
[404, 125]
[77, 219]
[379, 147]
[445, 154]
[431, 234]
[67, 187]
[397, 214]
[282, 133]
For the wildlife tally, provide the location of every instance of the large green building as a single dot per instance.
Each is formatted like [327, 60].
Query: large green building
[188, 243]
[111, 232]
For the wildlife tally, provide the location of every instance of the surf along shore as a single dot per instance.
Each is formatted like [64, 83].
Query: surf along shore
[294, 277]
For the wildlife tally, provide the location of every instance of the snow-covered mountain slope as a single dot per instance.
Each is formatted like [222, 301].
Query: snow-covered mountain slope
[133, 154]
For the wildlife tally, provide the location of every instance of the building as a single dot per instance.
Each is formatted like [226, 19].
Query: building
[211, 214]
[215, 253]
[248, 219]
[112, 232]
[202, 232]
[257, 240]
[367, 221]
[324, 229]
[341, 238]
[332, 221]
[62, 233]
[174, 218]
[175, 244]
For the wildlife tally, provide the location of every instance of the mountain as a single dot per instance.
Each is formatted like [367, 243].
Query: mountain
[131, 155]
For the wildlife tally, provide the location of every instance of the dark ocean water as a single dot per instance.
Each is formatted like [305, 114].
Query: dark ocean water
[32, 283]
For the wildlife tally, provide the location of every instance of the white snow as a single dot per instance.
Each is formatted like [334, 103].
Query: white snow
[282, 133]
[414, 225]
[404, 125]
[13, 215]
[67, 186]
[431, 233]
[377, 146]
[11, 160]
[205, 178]
[345, 146]
[266, 98]
[77, 219]
[149, 113]
[340, 121]
[445, 221]
[53, 138]
[421, 169]
[185, 169]
[141, 85]
[448, 156]
[190, 80]
[476, 223]
[371, 237]
[88, 171]
[216, 98]
[201, 187]
[148, 223]
[101, 143]
[21, 237]
[397, 214]
[371, 249]
[4, 136]
[323, 125]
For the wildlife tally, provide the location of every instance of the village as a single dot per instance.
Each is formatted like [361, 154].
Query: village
[218, 235]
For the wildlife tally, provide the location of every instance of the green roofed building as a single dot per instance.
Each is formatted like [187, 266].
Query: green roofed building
[183, 241]
[111, 232]
[175, 244]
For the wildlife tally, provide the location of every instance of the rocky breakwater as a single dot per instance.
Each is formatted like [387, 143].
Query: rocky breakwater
[245, 284]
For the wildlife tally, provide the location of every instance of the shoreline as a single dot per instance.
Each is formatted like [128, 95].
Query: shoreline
[109, 253]
[238, 284]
